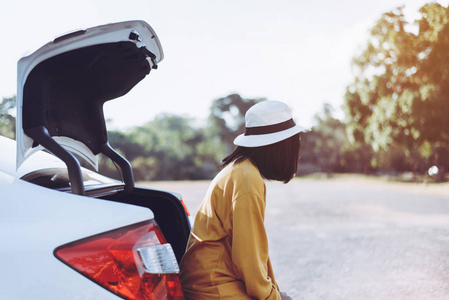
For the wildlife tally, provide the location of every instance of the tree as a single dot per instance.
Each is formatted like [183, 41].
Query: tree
[170, 141]
[227, 118]
[7, 120]
[327, 145]
[122, 142]
[432, 108]
[399, 98]
[167, 148]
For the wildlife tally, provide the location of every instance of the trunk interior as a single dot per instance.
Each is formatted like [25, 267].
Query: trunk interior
[168, 211]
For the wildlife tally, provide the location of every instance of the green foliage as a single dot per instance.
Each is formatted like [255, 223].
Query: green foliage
[7, 120]
[399, 100]
[227, 118]
[330, 141]
[166, 148]
[326, 147]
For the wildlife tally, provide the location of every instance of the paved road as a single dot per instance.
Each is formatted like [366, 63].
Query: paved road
[353, 239]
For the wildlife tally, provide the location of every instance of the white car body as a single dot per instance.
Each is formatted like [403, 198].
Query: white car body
[35, 221]
[61, 244]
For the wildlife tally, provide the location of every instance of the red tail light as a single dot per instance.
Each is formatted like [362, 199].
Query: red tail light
[134, 262]
[185, 208]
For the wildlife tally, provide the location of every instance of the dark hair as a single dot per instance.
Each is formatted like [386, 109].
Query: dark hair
[277, 161]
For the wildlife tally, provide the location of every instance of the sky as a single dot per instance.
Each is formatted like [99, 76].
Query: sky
[295, 51]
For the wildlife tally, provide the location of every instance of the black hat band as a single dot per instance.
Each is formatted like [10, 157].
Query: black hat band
[270, 128]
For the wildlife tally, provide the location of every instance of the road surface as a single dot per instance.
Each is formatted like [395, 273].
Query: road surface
[352, 238]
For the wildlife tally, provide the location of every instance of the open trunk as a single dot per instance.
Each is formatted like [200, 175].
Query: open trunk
[168, 211]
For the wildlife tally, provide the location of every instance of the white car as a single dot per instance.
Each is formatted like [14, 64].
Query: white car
[68, 232]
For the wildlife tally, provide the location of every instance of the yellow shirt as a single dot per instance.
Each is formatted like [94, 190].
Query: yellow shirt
[227, 252]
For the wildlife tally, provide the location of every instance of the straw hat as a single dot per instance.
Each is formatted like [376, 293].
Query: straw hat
[266, 123]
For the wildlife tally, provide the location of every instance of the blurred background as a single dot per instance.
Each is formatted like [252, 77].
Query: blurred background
[391, 118]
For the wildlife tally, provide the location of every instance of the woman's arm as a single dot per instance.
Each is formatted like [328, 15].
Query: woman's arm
[250, 247]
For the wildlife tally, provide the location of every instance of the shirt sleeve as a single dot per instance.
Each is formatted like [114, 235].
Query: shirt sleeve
[250, 247]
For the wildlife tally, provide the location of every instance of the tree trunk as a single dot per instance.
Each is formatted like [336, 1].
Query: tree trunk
[441, 177]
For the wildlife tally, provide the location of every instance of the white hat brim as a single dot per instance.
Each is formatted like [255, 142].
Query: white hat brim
[267, 139]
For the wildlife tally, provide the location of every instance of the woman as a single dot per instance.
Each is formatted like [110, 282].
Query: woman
[227, 253]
